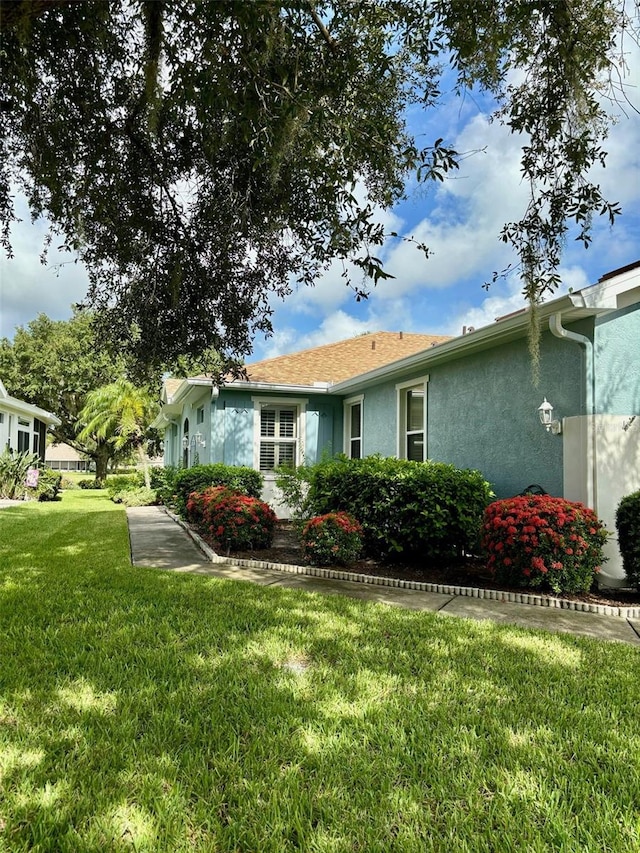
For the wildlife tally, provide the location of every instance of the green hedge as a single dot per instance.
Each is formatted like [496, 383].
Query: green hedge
[628, 527]
[427, 510]
[197, 479]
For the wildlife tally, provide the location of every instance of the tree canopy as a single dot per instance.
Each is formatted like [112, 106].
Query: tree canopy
[119, 413]
[57, 364]
[202, 156]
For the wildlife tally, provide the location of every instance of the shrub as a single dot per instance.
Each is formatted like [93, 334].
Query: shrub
[415, 509]
[135, 497]
[628, 527]
[240, 479]
[238, 522]
[68, 483]
[198, 502]
[49, 483]
[122, 482]
[332, 539]
[163, 480]
[90, 484]
[542, 541]
[13, 473]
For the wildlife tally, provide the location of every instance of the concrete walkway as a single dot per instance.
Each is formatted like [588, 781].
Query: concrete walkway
[158, 541]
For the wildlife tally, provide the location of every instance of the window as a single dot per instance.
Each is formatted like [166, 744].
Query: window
[353, 427]
[200, 415]
[279, 426]
[277, 438]
[24, 435]
[412, 408]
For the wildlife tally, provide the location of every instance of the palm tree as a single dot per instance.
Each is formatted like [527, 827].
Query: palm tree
[120, 413]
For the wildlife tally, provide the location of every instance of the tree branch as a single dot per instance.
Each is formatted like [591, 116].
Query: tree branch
[326, 35]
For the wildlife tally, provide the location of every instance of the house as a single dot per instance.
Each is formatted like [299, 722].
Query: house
[280, 413]
[63, 457]
[469, 400]
[23, 427]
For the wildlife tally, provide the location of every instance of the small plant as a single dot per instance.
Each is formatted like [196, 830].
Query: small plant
[238, 522]
[628, 527]
[117, 483]
[91, 484]
[68, 484]
[13, 473]
[135, 497]
[332, 539]
[163, 479]
[49, 484]
[543, 541]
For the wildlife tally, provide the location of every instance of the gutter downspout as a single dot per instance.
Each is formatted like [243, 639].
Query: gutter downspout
[557, 329]
[215, 393]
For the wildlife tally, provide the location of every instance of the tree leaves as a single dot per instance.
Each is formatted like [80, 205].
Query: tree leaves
[203, 157]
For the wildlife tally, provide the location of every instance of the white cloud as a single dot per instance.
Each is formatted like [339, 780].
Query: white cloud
[29, 288]
[508, 300]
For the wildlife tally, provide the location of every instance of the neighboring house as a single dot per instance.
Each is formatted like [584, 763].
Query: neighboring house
[470, 401]
[63, 457]
[23, 427]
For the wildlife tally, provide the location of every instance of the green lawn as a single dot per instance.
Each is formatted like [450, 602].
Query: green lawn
[148, 711]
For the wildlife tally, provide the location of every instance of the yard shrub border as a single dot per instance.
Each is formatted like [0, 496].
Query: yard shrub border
[239, 478]
[545, 542]
[426, 510]
[628, 527]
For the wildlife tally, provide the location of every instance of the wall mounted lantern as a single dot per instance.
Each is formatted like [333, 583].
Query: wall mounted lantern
[545, 411]
[185, 442]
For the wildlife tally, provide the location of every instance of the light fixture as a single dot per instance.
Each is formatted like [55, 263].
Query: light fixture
[185, 442]
[200, 442]
[545, 411]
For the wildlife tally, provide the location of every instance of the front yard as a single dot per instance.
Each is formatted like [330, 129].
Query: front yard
[148, 711]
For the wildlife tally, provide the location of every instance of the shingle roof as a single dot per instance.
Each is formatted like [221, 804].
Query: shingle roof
[171, 385]
[342, 360]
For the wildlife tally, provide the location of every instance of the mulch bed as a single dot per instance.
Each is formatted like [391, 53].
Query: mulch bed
[471, 573]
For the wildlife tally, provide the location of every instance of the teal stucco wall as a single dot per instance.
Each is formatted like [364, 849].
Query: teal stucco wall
[617, 358]
[233, 425]
[482, 413]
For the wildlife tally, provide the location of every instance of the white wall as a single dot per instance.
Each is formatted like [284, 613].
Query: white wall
[601, 466]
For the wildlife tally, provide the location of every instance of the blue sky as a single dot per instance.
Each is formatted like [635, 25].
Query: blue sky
[460, 220]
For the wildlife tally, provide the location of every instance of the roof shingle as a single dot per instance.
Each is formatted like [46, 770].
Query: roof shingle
[341, 360]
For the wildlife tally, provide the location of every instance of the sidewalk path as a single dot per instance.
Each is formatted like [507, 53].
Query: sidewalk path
[158, 541]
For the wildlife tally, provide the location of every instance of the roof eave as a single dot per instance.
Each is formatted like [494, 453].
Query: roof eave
[29, 409]
[186, 386]
[279, 387]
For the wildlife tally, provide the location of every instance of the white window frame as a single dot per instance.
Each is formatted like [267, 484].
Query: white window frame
[25, 427]
[299, 405]
[348, 438]
[401, 415]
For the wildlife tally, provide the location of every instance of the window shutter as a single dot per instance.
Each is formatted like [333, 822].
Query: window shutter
[287, 423]
[268, 422]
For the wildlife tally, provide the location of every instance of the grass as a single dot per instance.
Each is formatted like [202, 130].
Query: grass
[147, 711]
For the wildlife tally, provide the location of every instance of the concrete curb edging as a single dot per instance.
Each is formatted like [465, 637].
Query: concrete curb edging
[421, 586]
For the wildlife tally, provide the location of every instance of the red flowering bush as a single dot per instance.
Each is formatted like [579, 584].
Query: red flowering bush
[198, 502]
[332, 539]
[238, 522]
[542, 541]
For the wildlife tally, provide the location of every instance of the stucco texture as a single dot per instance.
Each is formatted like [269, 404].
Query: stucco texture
[617, 356]
[482, 413]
